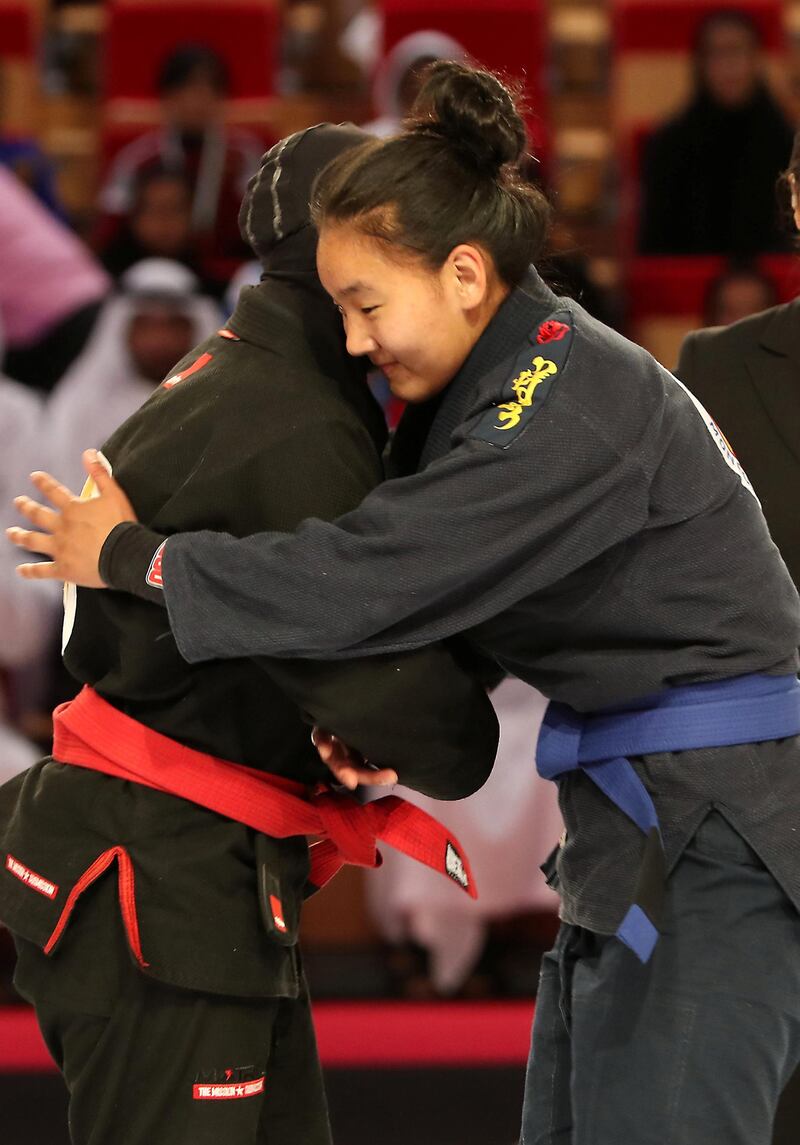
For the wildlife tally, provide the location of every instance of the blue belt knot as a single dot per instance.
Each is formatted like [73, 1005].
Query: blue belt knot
[746, 709]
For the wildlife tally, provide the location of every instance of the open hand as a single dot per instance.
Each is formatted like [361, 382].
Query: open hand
[75, 530]
[348, 766]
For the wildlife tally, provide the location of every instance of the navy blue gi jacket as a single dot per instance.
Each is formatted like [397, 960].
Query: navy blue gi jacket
[580, 517]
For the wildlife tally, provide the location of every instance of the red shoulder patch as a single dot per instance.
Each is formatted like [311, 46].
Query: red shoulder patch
[551, 331]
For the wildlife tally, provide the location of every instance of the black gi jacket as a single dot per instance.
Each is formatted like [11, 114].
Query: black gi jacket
[277, 425]
[604, 549]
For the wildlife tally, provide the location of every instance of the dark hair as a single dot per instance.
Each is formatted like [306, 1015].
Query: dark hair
[452, 176]
[188, 62]
[783, 188]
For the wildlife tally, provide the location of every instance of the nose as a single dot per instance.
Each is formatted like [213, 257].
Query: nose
[359, 339]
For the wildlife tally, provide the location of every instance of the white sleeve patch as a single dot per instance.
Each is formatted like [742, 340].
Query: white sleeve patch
[722, 443]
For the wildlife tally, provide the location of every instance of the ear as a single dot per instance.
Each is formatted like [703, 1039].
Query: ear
[468, 272]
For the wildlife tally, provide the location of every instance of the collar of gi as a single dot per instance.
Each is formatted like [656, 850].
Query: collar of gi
[293, 318]
[490, 358]
[515, 318]
[270, 313]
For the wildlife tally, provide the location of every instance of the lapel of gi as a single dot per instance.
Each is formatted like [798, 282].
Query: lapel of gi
[490, 359]
[774, 371]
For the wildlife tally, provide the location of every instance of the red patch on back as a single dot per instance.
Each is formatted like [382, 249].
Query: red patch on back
[198, 364]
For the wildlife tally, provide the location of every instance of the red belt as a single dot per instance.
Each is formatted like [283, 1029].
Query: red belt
[91, 733]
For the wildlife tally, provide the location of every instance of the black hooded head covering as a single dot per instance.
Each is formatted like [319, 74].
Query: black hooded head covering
[275, 218]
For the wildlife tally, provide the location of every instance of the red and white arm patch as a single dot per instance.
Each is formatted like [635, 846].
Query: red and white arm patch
[30, 878]
[198, 364]
[154, 577]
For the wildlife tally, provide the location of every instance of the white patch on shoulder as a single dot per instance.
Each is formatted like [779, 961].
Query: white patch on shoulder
[720, 440]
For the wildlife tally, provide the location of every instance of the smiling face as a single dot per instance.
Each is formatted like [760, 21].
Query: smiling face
[415, 324]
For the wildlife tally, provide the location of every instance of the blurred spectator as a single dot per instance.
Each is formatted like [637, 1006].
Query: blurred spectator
[709, 174]
[51, 288]
[22, 155]
[362, 35]
[27, 618]
[193, 141]
[748, 378]
[398, 77]
[737, 293]
[159, 226]
[248, 274]
[157, 316]
[140, 335]
[508, 829]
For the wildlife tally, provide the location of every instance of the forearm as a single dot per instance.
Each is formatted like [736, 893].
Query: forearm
[422, 559]
[417, 712]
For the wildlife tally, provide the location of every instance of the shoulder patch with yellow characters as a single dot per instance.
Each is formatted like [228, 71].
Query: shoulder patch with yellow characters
[536, 369]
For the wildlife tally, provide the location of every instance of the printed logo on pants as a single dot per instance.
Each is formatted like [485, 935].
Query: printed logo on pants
[229, 1091]
[229, 1084]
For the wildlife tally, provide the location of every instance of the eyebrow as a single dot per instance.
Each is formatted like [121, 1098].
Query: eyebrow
[353, 288]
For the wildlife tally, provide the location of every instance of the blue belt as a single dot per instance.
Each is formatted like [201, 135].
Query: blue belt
[747, 709]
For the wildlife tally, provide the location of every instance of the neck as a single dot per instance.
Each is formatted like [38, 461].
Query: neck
[494, 298]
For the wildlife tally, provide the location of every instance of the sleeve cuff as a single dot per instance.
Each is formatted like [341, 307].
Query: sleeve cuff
[130, 561]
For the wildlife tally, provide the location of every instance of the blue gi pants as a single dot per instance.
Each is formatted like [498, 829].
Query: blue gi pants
[693, 1048]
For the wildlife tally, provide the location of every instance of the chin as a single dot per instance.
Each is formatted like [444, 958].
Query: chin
[413, 390]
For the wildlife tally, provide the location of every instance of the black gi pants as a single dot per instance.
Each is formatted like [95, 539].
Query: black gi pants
[151, 1064]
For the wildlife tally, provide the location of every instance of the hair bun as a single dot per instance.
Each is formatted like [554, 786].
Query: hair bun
[473, 111]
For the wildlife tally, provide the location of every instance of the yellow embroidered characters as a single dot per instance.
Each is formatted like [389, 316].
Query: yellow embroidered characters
[537, 366]
[524, 386]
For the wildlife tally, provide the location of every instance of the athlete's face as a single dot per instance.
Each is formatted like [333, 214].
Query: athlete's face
[416, 325]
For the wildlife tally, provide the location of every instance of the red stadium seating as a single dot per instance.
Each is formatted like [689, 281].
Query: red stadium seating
[18, 30]
[667, 296]
[509, 36]
[670, 25]
[677, 286]
[141, 33]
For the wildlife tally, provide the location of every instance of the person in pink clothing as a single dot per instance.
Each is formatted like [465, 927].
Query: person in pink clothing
[51, 287]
